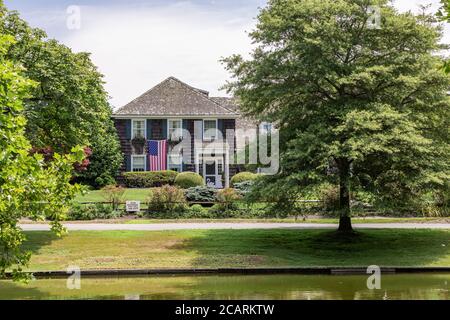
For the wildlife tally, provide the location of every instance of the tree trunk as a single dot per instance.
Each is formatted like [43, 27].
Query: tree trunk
[345, 222]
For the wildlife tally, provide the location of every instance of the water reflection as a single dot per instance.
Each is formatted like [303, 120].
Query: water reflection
[261, 287]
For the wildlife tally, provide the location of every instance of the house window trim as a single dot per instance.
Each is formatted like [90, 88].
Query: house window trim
[141, 156]
[132, 127]
[168, 126]
[203, 129]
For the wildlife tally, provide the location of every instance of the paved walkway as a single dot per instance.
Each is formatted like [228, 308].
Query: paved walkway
[219, 225]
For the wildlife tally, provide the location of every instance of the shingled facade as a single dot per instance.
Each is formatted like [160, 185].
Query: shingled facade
[163, 112]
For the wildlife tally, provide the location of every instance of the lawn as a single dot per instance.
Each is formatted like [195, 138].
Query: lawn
[129, 195]
[237, 248]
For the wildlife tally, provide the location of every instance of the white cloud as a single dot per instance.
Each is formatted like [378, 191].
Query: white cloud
[135, 48]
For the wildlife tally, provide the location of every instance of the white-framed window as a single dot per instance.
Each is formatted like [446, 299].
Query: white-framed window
[210, 129]
[138, 163]
[138, 129]
[265, 128]
[175, 162]
[175, 129]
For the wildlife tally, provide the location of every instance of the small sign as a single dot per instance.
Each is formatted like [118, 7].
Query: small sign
[133, 206]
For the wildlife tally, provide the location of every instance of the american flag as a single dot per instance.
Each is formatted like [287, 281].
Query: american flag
[157, 153]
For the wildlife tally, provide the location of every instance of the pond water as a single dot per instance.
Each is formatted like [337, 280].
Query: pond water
[225, 287]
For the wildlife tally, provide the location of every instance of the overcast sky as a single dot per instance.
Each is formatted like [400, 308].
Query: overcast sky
[138, 43]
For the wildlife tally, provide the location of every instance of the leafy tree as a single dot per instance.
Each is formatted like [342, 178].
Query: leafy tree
[68, 106]
[357, 105]
[30, 187]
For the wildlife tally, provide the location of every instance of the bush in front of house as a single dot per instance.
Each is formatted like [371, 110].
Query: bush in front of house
[152, 179]
[99, 211]
[197, 211]
[201, 194]
[245, 187]
[188, 180]
[167, 200]
[227, 199]
[243, 177]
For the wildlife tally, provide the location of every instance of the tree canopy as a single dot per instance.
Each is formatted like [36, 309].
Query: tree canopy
[29, 186]
[357, 105]
[68, 106]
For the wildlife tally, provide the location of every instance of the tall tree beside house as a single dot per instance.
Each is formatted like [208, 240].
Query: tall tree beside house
[69, 105]
[358, 104]
[30, 187]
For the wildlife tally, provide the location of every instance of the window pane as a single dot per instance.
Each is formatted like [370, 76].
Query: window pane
[175, 129]
[138, 163]
[209, 129]
[138, 128]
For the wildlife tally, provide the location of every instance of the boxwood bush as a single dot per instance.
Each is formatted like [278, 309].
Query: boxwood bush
[243, 177]
[149, 179]
[188, 180]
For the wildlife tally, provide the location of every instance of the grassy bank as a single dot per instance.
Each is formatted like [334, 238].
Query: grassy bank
[237, 248]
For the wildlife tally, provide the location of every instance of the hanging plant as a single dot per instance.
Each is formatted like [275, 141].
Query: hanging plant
[138, 141]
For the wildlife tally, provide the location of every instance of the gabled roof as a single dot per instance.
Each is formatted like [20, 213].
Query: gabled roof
[173, 97]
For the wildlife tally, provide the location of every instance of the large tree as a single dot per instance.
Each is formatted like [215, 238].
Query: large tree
[69, 105]
[357, 102]
[30, 187]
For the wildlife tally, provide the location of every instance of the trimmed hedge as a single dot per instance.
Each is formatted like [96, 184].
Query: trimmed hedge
[188, 180]
[152, 179]
[243, 177]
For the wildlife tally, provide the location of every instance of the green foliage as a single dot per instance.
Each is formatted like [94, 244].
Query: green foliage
[243, 177]
[167, 200]
[99, 211]
[227, 199]
[29, 186]
[186, 180]
[201, 194]
[113, 194]
[329, 196]
[197, 211]
[364, 108]
[149, 179]
[68, 106]
[245, 187]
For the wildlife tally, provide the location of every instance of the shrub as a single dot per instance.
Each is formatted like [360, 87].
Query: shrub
[242, 177]
[113, 194]
[244, 187]
[167, 199]
[152, 179]
[197, 211]
[330, 198]
[92, 212]
[227, 199]
[201, 194]
[188, 180]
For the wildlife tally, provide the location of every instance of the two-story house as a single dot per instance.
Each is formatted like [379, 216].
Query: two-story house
[168, 112]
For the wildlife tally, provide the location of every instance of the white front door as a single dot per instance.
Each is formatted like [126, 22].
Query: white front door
[212, 172]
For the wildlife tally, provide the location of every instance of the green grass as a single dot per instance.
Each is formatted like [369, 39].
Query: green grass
[237, 248]
[288, 220]
[129, 195]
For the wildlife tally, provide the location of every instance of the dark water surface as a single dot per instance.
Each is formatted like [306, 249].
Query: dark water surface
[286, 287]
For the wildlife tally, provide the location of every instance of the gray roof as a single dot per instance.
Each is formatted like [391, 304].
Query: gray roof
[173, 97]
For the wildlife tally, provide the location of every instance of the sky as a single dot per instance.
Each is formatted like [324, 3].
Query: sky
[138, 43]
